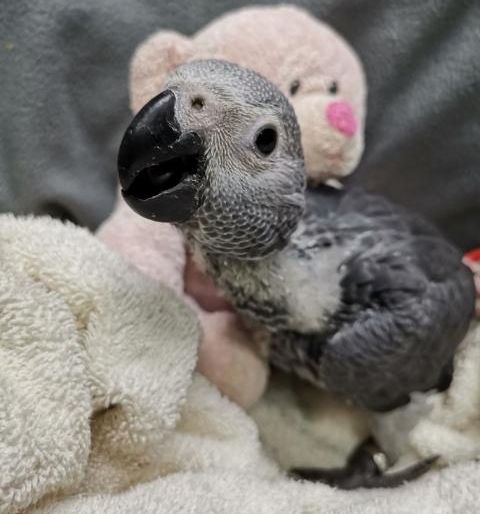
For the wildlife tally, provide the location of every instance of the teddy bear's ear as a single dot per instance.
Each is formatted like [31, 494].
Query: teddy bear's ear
[153, 59]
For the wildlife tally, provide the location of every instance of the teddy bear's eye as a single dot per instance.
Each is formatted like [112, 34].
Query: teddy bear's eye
[333, 88]
[294, 86]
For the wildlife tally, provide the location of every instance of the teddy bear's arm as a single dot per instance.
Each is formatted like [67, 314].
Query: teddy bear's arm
[157, 249]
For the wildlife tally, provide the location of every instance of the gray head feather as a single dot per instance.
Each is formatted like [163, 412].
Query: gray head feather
[250, 203]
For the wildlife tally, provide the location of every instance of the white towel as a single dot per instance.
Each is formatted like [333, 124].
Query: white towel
[101, 410]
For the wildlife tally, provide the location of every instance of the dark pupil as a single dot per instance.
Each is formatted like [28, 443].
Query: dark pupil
[333, 88]
[266, 140]
[294, 87]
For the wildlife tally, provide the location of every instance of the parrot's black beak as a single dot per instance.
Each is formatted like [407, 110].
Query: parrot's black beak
[158, 164]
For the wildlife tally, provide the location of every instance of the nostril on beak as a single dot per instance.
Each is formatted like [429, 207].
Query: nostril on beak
[198, 103]
[159, 163]
[340, 116]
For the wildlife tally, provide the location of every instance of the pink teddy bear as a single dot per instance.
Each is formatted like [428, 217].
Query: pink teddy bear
[324, 80]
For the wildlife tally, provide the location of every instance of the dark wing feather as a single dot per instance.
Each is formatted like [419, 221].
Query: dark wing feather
[406, 307]
[407, 303]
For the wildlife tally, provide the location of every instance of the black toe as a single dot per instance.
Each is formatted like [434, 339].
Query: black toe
[363, 471]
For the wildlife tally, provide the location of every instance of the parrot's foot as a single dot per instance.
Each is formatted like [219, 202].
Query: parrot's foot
[365, 468]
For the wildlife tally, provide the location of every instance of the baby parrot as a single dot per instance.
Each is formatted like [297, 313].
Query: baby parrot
[346, 290]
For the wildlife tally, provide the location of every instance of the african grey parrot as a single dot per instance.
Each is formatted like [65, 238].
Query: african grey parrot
[349, 292]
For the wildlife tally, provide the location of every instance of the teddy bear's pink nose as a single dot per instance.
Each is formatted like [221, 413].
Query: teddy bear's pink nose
[340, 116]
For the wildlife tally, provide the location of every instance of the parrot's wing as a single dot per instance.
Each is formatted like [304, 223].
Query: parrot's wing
[404, 312]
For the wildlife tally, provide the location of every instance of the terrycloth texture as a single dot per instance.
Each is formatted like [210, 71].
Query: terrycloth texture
[83, 335]
[64, 99]
[452, 491]
[100, 410]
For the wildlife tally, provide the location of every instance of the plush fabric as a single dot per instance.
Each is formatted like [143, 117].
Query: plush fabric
[101, 410]
[291, 49]
[64, 99]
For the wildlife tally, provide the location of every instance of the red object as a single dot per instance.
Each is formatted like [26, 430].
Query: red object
[473, 255]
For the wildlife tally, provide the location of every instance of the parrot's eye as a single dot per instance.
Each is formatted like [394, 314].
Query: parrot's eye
[333, 88]
[266, 140]
[294, 87]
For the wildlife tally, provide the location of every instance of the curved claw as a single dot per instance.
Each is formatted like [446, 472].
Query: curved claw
[362, 470]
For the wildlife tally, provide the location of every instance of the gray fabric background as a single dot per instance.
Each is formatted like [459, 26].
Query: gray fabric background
[63, 99]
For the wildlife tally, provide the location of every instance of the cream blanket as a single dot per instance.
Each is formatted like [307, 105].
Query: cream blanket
[101, 410]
